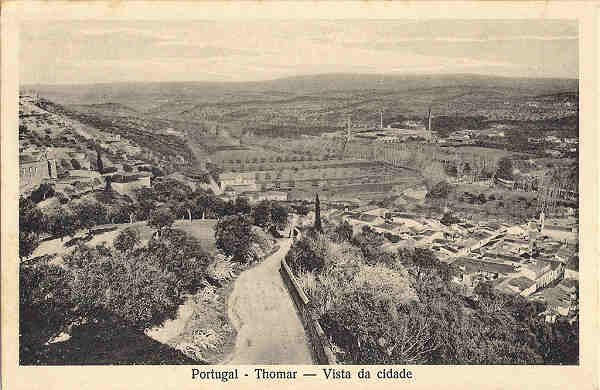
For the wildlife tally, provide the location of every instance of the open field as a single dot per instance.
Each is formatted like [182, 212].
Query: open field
[202, 230]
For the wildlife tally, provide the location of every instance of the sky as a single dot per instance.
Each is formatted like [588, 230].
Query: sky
[76, 52]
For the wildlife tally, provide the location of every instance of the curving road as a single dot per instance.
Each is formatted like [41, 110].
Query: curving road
[262, 311]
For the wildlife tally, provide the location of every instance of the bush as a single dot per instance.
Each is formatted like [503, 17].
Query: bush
[306, 256]
[44, 307]
[439, 191]
[233, 236]
[161, 219]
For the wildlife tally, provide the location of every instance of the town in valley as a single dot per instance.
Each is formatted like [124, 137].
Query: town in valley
[316, 219]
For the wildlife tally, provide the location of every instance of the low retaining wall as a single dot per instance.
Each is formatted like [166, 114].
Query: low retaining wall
[320, 346]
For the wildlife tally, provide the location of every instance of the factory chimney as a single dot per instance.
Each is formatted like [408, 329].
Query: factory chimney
[429, 119]
[349, 127]
[381, 119]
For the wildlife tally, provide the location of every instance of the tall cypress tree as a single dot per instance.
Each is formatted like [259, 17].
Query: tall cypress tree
[99, 163]
[318, 226]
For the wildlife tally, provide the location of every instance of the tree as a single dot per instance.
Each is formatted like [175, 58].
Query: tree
[108, 187]
[279, 215]
[302, 209]
[161, 219]
[31, 218]
[91, 214]
[343, 232]
[505, 169]
[318, 227]
[423, 259]
[262, 214]
[205, 202]
[369, 242]
[44, 308]
[99, 163]
[439, 191]
[233, 236]
[44, 191]
[242, 206]
[28, 242]
[127, 240]
[63, 223]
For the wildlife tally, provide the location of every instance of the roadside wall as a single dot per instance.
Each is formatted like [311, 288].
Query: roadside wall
[320, 346]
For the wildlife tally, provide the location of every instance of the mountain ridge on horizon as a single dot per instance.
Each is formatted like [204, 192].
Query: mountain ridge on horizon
[320, 76]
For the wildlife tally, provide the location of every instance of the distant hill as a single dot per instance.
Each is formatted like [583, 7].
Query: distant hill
[322, 103]
[119, 92]
[112, 108]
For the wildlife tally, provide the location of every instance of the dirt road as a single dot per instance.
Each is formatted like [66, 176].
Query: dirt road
[262, 311]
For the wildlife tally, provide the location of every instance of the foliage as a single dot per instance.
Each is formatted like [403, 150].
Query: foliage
[161, 219]
[28, 242]
[440, 190]
[91, 214]
[262, 214]
[369, 241]
[241, 205]
[302, 209]
[318, 226]
[233, 236]
[99, 163]
[182, 255]
[63, 222]
[279, 215]
[505, 169]
[307, 255]
[343, 232]
[44, 191]
[31, 223]
[44, 307]
[221, 268]
[127, 240]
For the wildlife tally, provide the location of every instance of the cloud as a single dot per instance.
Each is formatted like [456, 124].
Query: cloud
[258, 50]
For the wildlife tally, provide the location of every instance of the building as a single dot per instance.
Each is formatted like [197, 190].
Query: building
[240, 181]
[36, 168]
[473, 271]
[128, 184]
[113, 138]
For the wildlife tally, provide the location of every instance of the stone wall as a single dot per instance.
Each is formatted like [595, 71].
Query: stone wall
[320, 347]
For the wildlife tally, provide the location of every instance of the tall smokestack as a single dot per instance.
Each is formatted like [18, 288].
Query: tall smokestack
[381, 119]
[429, 119]
[349, 126]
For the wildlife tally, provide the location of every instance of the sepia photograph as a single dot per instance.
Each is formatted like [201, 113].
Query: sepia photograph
[338, 192]
[299, 194]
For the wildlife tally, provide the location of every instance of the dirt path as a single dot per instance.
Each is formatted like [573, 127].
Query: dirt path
[262, 311]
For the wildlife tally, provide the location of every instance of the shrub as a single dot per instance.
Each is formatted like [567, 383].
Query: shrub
[233, 236]
[306, 256]
[221, 268]
[161, 219]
